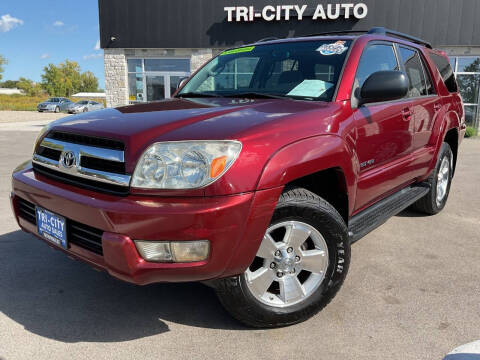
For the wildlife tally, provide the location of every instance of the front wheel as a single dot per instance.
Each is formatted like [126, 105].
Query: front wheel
[440, 182]
[57, 109]
[299, 267]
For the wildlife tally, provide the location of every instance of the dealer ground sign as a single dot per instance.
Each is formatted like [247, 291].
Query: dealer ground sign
[297, 12]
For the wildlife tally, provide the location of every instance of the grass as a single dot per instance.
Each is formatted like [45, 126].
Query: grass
[27, 103]
[471, 132]
[20, 102]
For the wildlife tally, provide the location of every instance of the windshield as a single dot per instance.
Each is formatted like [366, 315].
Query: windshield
[83, 102]
[306, 70]
[54, 100]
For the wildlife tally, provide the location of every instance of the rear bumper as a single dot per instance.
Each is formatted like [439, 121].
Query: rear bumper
[234, 225]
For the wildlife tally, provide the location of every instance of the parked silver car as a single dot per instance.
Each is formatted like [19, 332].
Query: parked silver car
[54, 104]
[84, 106]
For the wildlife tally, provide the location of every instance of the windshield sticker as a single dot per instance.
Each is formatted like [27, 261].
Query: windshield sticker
[336, 48]
[239, 50]
[310, 88]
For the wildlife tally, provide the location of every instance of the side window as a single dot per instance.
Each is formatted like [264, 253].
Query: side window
[428, 79]
[414, 69]
[376, 57]
[445, 69]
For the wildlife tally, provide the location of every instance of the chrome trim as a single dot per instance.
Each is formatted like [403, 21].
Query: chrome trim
[91, 151]
[79, 171]
[109, 178]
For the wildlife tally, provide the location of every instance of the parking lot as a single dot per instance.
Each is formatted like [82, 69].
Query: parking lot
[412, 291]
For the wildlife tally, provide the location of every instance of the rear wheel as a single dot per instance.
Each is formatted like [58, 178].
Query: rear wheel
[440, 182]
[299, 267]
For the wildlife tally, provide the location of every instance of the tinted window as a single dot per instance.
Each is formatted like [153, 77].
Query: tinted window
[375, 58]
[413, 68]
[443, 66]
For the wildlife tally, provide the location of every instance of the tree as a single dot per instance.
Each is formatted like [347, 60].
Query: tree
[9, 84]
[66, 79]
[31, 88]
[89, 82]
[3, 61]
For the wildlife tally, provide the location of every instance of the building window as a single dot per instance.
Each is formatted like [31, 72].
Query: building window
[467, 72]
[155, 79]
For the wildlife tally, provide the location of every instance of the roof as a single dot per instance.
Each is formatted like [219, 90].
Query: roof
[90, 95]
[351, 34]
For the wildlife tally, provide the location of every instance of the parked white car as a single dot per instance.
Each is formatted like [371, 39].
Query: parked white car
[84, 106]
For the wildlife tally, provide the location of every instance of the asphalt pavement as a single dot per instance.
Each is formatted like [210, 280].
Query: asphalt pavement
[412, 292]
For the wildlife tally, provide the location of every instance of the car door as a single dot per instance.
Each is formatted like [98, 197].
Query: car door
[384, 131]
[425, 103]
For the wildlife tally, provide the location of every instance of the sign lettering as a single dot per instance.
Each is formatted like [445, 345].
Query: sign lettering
[298, 12]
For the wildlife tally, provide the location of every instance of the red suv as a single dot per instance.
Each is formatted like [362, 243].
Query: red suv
[258, 175]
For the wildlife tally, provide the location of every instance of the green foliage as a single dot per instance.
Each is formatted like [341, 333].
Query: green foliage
[9, 84]
[3, 61]
[31, 88]
[470, 132]
[65, 79]
[89, 82]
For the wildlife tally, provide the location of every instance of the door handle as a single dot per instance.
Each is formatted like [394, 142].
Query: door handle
[407, 113]
[437, 106]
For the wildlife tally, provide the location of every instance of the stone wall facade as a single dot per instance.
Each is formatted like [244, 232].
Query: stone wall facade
[116, 82]
[116, 74]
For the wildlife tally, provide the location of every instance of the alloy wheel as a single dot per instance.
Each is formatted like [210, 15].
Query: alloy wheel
[290, 264]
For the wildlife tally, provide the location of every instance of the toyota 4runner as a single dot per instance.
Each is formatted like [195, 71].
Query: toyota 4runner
[257, 175]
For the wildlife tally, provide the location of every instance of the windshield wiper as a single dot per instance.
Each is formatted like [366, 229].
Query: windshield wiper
[254, 95]
[196, 95]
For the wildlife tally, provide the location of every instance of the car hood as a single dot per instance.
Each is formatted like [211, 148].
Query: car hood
[201, 119]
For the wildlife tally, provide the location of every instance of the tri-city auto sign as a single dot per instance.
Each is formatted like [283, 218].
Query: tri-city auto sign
[298, 12]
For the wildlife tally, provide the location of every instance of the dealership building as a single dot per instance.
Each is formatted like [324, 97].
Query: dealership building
[150, 45]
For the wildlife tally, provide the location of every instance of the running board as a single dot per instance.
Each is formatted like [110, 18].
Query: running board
[374, 216]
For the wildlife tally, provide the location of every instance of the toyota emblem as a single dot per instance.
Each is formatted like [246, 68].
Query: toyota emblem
[69, 159]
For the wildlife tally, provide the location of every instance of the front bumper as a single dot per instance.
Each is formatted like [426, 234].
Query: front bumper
[234, 225]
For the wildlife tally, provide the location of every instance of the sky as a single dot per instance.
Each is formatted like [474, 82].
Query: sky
[36, 33]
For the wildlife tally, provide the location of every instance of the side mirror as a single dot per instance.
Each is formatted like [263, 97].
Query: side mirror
[182, 82]
[384, 86]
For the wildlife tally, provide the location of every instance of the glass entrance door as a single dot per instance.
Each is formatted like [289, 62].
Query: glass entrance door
[155, 79]
[155, 88]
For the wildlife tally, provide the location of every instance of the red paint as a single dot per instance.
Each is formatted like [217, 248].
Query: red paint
[283, 140]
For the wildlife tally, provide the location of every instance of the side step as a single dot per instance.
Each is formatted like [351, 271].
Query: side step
[374, 216]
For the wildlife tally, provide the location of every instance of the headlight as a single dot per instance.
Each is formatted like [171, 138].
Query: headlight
[184, 164]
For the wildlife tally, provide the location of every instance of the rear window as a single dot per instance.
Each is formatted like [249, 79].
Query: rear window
[445, 69]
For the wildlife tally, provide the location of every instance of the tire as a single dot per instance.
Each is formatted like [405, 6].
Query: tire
[57, 109]
[300, 212]
[440, 182]
[85, 109]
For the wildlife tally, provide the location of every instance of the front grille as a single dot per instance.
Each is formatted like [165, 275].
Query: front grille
[87, 140]
[27, 211]
[89, 162]
[84, 236]
[49, 153]
[103, 165]
[81, 182]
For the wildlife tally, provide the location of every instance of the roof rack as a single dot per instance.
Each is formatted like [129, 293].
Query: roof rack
[377, 31]
[266, 39]
[384, 31]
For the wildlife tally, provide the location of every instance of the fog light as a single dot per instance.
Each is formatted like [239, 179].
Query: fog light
[179, 251]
